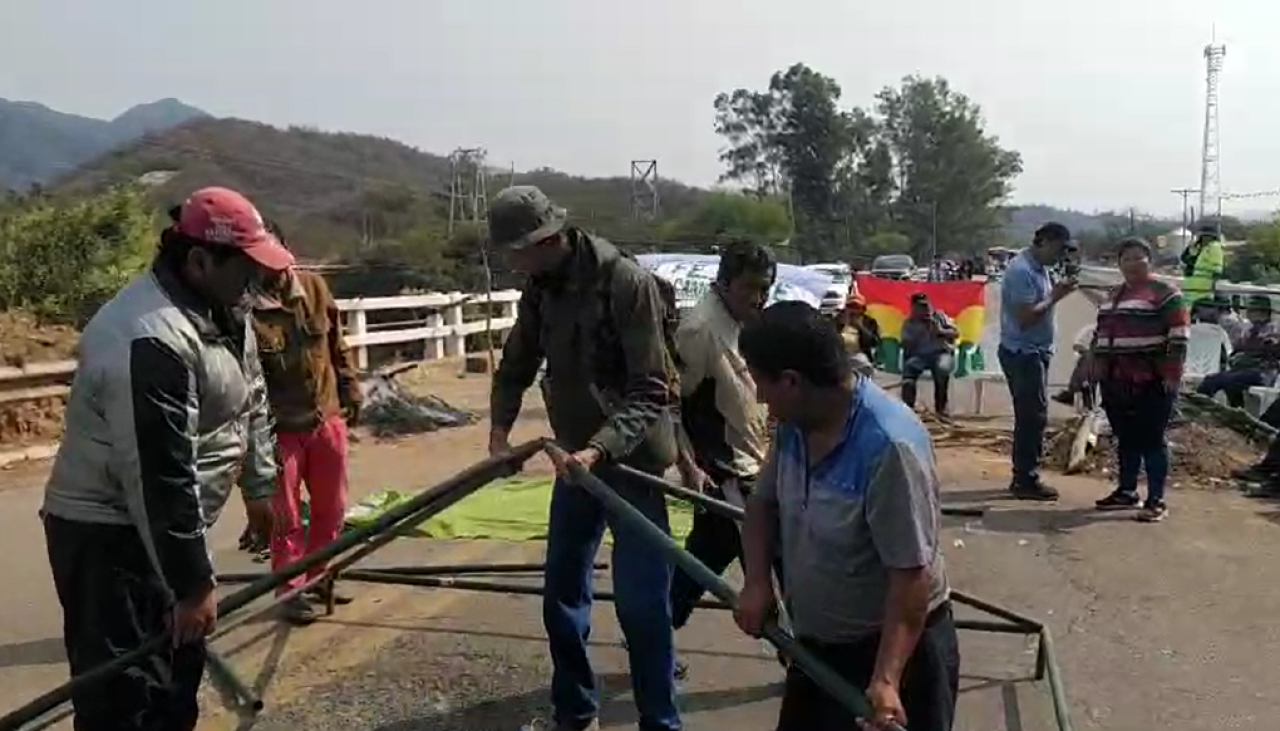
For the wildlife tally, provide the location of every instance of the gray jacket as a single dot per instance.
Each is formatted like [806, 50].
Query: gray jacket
[168, 411]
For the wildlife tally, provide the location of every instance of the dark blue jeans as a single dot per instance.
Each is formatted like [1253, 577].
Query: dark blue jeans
[641, 585]
[1139, 417]
[1027, 374]
[1235, 383]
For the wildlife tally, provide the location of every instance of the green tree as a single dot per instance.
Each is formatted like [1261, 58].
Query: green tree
[733, 216]
[816, 139]
[951, 175]
[919, 164]
[749, 122]
[1258, 260]
[886, 242]
[61, 261]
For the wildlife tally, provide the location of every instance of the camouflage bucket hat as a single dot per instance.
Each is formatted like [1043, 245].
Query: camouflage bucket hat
[522, 215]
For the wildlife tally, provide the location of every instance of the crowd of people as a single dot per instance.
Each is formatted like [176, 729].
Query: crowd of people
[224, 366]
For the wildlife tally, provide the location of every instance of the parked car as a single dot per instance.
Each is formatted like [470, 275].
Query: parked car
[842, 285]
[893, 266]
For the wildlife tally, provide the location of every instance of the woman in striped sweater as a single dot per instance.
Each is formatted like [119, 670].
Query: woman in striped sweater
[1139, 347]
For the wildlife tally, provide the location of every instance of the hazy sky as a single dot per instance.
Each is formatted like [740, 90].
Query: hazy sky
[1103, 98]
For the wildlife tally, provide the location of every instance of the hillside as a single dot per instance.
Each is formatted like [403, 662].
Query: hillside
[1024, 220]
[336, 189]
[38, 144]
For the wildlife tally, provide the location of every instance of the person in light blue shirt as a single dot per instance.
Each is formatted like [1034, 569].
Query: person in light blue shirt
[849, 499]
[1027, 300]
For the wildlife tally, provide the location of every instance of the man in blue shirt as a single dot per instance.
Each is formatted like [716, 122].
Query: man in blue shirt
[1027, 301]
[850, 494]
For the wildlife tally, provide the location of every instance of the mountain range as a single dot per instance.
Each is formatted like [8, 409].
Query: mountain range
[340, 188]
[39, 144]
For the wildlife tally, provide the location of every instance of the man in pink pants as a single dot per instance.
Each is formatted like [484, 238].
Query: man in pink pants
[315, 397]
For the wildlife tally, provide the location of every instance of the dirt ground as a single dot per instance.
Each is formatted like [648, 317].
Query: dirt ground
[23, 340]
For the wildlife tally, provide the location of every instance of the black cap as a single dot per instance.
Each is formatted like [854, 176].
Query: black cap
[1052, 232]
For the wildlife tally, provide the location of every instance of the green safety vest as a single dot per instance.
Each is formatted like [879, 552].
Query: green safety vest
[1209, 266]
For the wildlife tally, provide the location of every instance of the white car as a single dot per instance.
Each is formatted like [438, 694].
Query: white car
[842, 286]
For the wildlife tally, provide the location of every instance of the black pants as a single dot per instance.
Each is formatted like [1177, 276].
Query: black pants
[714, 540]
[112, 602]
[1027, 376]
[930, 681]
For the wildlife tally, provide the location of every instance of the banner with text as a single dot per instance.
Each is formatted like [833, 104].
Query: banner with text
[692, 274]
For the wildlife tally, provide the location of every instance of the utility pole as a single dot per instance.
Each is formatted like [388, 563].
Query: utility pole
[1186, 193]
[468, 196]
[469, 201]
[933, 237]
[644, 190]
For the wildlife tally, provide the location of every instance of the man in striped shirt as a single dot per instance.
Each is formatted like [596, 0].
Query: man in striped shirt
[1138, 354]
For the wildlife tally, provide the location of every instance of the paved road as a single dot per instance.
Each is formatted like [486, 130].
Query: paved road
[1166, 626]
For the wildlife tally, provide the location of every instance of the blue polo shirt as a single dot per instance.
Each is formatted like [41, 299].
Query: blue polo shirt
[869, 506]
[1026, 281]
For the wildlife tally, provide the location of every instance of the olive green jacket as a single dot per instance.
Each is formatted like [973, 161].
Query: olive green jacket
[598, 324]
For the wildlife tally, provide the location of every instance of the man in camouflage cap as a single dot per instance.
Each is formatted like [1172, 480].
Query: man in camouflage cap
[597, 320]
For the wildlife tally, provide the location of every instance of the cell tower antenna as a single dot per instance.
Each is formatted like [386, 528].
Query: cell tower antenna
[1210, 170]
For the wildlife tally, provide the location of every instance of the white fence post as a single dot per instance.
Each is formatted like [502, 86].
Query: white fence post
[455, 343]
[359, 326]
[434, 346]
[442, 330]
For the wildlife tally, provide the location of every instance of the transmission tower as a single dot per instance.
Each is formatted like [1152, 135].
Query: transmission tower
[468, 194]
[644, 190]
[1210, 171]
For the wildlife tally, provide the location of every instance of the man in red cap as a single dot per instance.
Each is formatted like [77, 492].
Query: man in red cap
[167, 414]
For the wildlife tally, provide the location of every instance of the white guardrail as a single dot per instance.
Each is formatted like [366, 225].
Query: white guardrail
[443, 332]
[1100, 276]
[440, 321]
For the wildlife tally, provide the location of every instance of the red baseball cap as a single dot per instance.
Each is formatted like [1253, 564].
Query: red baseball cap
[224, 217]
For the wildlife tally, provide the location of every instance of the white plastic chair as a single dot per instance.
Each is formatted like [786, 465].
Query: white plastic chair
[991, 371]
[1206, 346]
[1260, 398]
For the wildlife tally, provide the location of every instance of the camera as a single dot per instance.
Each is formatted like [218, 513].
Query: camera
[1068, 264]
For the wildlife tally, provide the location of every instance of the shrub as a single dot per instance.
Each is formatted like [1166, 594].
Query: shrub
[62, 261]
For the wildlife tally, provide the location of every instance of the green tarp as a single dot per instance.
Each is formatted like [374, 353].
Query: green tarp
[508, 510]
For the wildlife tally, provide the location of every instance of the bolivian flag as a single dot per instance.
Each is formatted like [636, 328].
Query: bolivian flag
[889, 302]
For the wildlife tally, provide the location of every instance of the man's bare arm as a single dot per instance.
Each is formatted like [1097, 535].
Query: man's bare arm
[905, 612]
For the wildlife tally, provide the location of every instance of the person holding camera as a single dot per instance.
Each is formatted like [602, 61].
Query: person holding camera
[1028, 297]
[928, 345]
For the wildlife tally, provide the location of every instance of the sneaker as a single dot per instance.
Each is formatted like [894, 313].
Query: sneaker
[1118, 500]
[298, 612]
[1152, 513]
[1037, 491]
[1066, 398]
